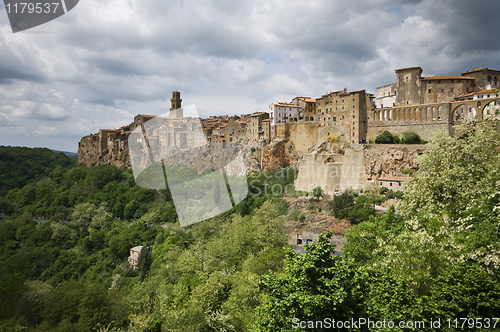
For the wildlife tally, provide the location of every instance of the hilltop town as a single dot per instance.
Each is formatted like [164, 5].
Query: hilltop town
[331, 127]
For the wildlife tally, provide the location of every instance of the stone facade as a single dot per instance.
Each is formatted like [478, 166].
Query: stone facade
[346, 112]
[334, 173]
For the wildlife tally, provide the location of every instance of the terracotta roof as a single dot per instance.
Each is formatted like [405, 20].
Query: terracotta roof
[266, 120]
[306, 99]
[280, 103]
[257, 114]
[115, 130]
[241, 121]
[147, 116]
[447, 78]
[479, 69]
[475, 93]
[396, 178]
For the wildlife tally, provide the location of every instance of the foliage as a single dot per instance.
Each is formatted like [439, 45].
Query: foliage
[407, 171]
[318, 193]
[315, 285]
[386, 138]
[411, 137]
[144, 262]
[456, 173]
[21, 165]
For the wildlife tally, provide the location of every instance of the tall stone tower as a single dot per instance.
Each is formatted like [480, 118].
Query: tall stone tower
[408, 86]
[175, 105]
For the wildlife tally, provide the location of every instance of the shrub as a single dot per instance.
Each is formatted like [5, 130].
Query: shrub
[407, 171]
[318, 192]
[383, 190]
[302, 218]
[386, 138]
[295, 215]
[411, 137]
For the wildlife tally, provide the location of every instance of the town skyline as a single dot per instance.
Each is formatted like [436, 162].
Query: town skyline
[100, 65]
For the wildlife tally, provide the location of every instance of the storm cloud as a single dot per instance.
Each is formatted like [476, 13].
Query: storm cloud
[103, 62]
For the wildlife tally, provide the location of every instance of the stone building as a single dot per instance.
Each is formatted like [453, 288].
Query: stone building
[306, 103]
[279, 112]
[254, 126]
[426, 104]
[235, 129]
[346, 112]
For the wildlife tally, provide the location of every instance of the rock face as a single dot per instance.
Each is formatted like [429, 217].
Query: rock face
[278, 154]
[390, 159]
[104, 149]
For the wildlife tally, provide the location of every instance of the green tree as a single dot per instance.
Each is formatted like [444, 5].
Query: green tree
[315, 285]
[144, 262]
[456, 172]
[318, 193]
[411, 137]
[385, 138]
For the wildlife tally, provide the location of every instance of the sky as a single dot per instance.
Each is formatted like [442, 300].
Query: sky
[106, 61]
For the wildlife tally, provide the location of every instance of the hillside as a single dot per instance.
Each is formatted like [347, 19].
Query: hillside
[22, 165]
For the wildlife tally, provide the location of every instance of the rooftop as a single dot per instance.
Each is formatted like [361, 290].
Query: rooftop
[448, 78]
[395, 178]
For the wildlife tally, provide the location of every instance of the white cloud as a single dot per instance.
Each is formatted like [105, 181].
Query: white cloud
[44, 130]
[52, 112]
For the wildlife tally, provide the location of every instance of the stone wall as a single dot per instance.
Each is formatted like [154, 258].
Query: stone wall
[333, 173]
[303, 135]
[356, 168]
[425, 120]
[390, 159]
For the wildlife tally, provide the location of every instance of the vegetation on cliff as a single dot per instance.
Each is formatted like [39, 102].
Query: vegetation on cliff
[21, 165]
[436, 258]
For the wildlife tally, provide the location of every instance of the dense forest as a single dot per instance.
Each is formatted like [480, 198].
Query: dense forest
[66, 238]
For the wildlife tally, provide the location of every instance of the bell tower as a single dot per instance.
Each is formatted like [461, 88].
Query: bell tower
[175, 102]
[175, 105]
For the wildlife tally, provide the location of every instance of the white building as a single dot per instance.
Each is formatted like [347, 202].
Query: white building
[386, 96]
[280, 112]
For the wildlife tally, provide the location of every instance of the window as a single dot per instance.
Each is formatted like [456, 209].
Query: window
[342, 107]
[407, 92]
[319, 103]
[439, 81]
[452, 81]
[354, 99]
[342, 99]
[442, 90]
[336, 108]
[354, 116]
[334, 118]
[353, 106]
[342, 117]
[429, 91]
[406, 78]
[459, 81]
[390, 184]
[380, 182]
[451, 90]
